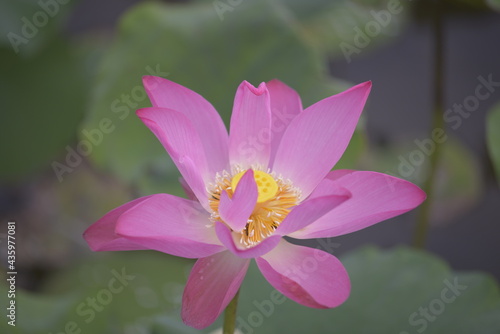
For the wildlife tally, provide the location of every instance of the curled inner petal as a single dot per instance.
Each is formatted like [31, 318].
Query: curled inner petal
[266, 185]
[276, 197]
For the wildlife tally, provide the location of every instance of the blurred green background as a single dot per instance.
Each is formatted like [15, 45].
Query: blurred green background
[73, 149]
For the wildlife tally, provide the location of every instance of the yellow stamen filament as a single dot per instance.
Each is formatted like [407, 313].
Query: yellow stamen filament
[275, 199]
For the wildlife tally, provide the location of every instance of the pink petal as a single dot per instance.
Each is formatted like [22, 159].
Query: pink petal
[309, 211]
[101, 235]
[171, 225]
[316, 139]
[236, 211]
[310, 277]
[250, 131]
[206, 121]
[231, 241]
[180, 139]
[285, 105]
[375, 197]
[212, 284]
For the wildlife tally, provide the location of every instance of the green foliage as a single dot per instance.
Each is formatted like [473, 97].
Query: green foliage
[43, 90]
[388, 287]
[153, 286]
[333, 26]
[168, 41]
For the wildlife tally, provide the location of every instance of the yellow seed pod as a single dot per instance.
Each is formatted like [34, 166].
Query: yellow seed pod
[266, 185]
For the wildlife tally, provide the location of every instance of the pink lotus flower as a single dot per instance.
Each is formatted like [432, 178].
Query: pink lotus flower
[270, 178]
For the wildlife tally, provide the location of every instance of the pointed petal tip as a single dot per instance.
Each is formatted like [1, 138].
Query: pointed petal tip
[149, 113]
[364, 85]
[146, 78]
[420, 195]
[149, 80]
[140, 112]
[144, 116]
[92, 236]
[144, 113]
[87, 234]
[368, 86]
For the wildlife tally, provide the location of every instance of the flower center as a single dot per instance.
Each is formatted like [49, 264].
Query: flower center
[276, 197]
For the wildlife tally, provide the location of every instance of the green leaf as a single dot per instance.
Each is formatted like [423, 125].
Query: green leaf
[336, 27]
[42, 102]
[35, 313]
[193, 47]
[111, 293]
[347, 28]
[493, 138]
[388, 290]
